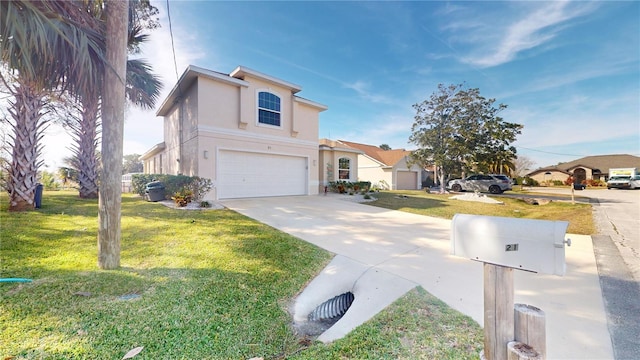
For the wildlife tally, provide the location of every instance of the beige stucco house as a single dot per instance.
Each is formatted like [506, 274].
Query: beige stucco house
[246, 131]
[586, 168]
[338, 162]
[386, 168]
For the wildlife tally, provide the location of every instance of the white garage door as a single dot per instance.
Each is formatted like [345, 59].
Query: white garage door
[245, 174]
[406, 180]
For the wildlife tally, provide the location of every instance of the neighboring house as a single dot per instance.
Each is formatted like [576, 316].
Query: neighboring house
[386, 167]
[586, 168]
[246, 131]
[338, 162]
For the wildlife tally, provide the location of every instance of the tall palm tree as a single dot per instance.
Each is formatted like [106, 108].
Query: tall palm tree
[142, 89]
[45, 47]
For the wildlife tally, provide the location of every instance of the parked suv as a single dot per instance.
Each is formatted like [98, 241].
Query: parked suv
[492, 183]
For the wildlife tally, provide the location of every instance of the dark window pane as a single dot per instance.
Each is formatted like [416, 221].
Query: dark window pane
[268, 117]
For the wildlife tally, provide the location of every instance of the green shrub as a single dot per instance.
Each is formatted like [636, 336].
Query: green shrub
[200, 187]
[172, 184]
[348, 186]
[530, 182]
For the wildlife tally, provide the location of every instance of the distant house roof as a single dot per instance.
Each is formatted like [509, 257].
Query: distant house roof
[384, 157]
[601, 163]
[548, 169]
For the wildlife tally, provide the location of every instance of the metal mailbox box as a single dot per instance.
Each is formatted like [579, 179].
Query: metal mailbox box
[525, 244]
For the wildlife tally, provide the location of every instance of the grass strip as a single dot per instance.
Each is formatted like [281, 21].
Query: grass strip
[579, 216]
[193, 285]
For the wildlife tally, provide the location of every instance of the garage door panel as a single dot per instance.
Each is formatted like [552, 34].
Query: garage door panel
[244, 174]
[406, 180]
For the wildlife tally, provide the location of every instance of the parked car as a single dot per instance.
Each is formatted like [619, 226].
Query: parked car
[577, 186]
[492, 183]
[624, 182]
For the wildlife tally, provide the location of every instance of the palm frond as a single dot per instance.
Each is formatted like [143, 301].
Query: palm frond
[143, 87]
[55, 44]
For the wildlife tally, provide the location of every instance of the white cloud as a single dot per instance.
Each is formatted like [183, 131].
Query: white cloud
[362, 88]
[494, 45]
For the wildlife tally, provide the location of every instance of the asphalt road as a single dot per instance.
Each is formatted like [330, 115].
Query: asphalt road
[617, 252]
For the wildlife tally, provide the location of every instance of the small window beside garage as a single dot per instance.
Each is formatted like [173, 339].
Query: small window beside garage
[268, 108]
[344, 168]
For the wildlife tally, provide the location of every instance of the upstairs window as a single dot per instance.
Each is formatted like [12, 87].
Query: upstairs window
[344, 169]
[268, 108]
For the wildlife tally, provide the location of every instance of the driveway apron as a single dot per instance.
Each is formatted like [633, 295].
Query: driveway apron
[417, 247]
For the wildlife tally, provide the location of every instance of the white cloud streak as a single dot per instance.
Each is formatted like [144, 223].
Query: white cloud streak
[495, 46]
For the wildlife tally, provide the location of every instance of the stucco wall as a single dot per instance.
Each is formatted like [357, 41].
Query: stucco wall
[329, 158]
[370, 170]
[228, 120]
[553, 175]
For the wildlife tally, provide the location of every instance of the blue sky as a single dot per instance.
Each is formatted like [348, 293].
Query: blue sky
[568, 71]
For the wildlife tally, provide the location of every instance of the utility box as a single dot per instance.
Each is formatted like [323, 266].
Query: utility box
[524, 244]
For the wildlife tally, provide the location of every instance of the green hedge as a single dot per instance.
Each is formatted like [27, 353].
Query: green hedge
[172, 184]
[530, 182]
[346, 186]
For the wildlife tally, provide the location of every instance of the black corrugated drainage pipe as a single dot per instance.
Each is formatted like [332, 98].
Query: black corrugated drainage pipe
[345, 294]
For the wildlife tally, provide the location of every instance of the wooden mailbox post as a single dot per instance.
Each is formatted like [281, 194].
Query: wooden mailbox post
[511, 332]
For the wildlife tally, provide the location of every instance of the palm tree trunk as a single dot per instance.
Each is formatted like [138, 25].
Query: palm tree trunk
[113, 98]
[28, 126]
[86, 133]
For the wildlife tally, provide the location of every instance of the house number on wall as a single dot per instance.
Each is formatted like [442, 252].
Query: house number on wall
[511, 247]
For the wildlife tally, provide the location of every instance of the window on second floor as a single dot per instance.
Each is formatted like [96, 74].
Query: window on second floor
[344, 169]
[268, 108]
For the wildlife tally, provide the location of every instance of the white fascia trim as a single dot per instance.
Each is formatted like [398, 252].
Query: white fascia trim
[314, 104]
[218, 76]
[253, 136]
[241, 70]
[190, 74]
[153, 151]
[329, 148]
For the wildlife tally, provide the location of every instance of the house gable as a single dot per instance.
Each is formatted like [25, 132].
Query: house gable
[387, 168]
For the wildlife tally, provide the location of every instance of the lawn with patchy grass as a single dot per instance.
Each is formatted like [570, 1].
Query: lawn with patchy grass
[579, 216]
[193, 285]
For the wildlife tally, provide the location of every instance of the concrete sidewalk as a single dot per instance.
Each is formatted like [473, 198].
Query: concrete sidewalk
[416, 248]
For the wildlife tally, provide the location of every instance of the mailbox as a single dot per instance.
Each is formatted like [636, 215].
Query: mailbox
[525, 244]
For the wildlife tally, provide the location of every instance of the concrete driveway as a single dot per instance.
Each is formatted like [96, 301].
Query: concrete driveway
[416, 248]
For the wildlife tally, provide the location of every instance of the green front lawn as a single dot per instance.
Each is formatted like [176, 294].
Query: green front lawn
[193, 285]
[579, 216]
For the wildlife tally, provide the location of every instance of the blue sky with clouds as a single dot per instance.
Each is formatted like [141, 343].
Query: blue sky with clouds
[568, 71]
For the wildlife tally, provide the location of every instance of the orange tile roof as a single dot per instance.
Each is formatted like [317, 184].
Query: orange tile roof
[386, 157]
